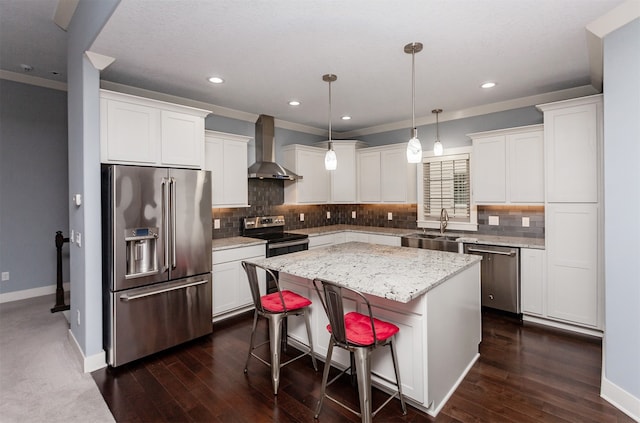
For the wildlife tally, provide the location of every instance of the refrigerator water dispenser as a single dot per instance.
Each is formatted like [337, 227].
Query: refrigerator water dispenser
[142, 258]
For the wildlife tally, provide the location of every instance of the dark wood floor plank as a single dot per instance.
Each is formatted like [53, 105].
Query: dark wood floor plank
[525, 373]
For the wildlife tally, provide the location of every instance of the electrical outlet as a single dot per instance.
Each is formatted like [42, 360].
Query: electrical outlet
[216, 223]
[494, 220]
[525, 222]
[328, 215]
[72, 237]
[5, 276]
[78, 316]
[79, 239]
[353, 214]
[389, 216]
[301, 217]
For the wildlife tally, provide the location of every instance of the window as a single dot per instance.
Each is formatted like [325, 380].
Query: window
[445, 183]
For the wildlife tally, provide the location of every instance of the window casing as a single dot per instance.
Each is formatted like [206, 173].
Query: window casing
[445, 182]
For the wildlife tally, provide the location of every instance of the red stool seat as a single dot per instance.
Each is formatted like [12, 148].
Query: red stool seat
[292, 301]
[358, 329]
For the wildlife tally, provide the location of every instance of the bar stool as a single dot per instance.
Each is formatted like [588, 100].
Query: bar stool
[276, 307]
[359, 334]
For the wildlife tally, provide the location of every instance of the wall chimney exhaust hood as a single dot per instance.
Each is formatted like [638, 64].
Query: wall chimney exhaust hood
[265, 166]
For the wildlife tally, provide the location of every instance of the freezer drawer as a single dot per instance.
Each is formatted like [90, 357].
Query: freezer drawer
[150, 319]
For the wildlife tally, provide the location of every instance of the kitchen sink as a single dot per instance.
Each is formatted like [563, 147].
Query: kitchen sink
[431, 242]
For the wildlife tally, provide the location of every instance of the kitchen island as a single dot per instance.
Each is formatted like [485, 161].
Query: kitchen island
[432, 296]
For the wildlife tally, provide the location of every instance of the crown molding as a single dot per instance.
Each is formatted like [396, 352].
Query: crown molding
[216, 110]
[479, 110]
[33, 80]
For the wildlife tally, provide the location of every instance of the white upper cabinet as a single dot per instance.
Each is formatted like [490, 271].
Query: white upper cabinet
[226, 158]
[572, 133]
[308, 162]
[508, 166]
[137, 130]
[344, 177]
[384, 176]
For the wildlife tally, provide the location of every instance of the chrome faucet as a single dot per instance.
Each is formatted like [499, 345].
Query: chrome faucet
[444, 219]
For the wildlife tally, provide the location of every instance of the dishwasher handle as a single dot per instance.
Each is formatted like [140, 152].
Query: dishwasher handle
[502, 253]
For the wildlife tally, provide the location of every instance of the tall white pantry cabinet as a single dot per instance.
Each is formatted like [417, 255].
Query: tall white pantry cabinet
[573, 137]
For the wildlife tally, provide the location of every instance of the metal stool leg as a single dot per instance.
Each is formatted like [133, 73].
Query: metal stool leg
[313, 356]
[397, 371]
[275, 335]
[325, 377]
[363, 371]
[253, 334]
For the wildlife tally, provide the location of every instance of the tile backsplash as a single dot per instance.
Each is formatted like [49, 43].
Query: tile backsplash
[510, 221]
[267, 197]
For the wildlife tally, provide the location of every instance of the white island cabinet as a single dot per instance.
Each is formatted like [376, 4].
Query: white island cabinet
[146, 132]
[432, 296]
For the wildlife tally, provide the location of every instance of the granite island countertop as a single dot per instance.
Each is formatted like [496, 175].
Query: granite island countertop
[396, 273]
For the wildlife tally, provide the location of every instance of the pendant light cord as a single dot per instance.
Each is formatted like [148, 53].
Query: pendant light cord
[413, 90]
[330, 143]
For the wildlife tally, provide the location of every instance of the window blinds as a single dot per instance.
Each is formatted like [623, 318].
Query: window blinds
[446, 185]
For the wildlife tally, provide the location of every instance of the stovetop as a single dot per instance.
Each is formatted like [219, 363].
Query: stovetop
[269, 228]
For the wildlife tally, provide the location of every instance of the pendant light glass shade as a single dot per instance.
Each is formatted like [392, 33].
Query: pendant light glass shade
[414, 148]
[438, 149]
[330, 159]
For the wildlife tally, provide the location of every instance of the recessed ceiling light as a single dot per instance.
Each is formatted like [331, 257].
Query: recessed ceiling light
[488, 85]
[346, 118]
[294, 103]
[216, 80]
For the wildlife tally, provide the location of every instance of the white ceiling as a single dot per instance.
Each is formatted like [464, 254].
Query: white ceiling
[272, 51]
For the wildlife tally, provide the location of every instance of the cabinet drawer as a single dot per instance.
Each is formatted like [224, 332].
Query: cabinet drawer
[240, 253]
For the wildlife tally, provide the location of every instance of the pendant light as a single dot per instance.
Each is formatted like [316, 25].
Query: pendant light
[438, 149]
[330, 159]
[414, 148]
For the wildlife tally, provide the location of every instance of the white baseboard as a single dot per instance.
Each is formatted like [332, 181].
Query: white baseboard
[436, 409]
[561, 325]
[31, 293]
[91, 363]
[620, 399]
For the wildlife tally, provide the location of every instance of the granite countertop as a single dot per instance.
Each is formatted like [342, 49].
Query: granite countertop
[235, 242]
[326, 230]
[396, 273]
[508, 241]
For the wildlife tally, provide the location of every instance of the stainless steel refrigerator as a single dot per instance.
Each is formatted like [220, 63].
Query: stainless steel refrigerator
[156, 243]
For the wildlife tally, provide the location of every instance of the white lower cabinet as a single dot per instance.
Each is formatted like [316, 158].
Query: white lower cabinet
[409, 343]
[532, 281]
[373, 238]
[574, 292]
[231, 292]
[321, 241]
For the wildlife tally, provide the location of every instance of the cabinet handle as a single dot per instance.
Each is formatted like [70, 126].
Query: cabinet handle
[127, 297]
[502, 253]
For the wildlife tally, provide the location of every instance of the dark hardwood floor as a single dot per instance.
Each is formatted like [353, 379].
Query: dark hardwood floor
[525, 373]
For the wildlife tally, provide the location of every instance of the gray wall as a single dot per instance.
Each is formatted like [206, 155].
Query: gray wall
[240, 127]
[84, 178]
[622, 207]
[453, 132]
[33, 184]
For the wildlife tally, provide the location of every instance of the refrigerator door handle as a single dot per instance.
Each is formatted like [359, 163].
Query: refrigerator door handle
[127, 297]
[165, 223]
[174, 260]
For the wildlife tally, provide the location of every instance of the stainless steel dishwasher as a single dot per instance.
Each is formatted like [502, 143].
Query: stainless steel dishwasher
[499, 275]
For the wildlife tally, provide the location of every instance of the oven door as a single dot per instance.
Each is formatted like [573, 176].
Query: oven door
[280, 248]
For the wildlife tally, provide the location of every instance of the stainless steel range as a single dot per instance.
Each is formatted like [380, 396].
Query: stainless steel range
[279, 242]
